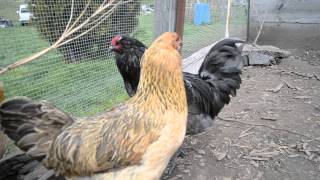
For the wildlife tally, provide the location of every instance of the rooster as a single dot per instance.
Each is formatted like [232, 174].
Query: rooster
[134, 140]
[207, 92]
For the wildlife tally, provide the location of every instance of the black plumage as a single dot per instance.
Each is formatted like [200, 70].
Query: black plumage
[18, 117]
[128, 60]
[20, 166]
[207, 92]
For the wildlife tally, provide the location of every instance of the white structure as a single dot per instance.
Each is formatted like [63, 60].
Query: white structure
[24, 14]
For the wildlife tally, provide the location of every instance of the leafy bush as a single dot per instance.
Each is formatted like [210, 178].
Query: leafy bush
[51, 18]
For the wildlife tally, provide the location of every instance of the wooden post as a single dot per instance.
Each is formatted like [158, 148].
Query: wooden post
[248, 20]
[181, 7]
[164, 17]
[227, 34]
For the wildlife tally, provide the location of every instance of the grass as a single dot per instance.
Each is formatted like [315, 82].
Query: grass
[145, 29]
[83, 88]
[9, 8]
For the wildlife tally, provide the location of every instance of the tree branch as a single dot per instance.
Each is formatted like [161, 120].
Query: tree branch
[69, 30]
[261, 20]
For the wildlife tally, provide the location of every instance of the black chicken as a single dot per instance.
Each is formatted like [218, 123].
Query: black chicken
[207, 92]
[128, 56]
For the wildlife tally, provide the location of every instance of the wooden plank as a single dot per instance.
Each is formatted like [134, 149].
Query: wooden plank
[164, 17]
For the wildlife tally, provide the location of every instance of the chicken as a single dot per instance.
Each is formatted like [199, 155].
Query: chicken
[134, 140]
[207, 92]
[3, 137]
[2, 97]
[20, 166]
[130, 51]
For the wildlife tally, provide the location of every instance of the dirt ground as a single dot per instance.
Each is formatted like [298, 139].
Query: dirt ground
[269, 131]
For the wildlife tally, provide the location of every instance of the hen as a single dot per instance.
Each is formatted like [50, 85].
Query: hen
[134, 140]
[131, 50]
[207, 92]
[2, 97]
[3, 138]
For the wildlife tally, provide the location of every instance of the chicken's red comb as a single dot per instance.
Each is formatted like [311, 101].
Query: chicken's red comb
[115, 40]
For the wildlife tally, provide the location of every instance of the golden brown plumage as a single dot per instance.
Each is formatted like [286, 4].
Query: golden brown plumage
[3, 138]
[1, 92]
[134, 140]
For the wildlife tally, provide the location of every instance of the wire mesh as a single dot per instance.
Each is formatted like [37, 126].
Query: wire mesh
[201, 31]
[205, 27]
[81, 77]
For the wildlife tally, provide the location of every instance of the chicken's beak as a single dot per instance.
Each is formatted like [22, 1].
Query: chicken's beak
[179, 45]
[111, 48]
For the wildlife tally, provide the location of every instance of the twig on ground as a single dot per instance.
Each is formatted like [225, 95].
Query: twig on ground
[301, 97]
[317, 77]
[270, 127]
[318, 138]
[247, 130]
[276, 89]
[263, 153]
[256, 158]
[269, 118]
[241, 146]
[302, 75]
[245, 134]
[234, 167]
[290, 85]
[287, 171]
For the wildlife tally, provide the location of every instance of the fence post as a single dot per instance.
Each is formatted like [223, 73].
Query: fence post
[248, 19]
[164, 17]
[181, 7]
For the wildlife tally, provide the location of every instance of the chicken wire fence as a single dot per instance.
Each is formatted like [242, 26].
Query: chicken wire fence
[205, 24]
[81, 76]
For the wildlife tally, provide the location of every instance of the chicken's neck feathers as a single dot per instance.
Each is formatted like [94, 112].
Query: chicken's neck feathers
[161, 79]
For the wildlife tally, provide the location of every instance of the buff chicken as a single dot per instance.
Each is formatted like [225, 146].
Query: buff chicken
[133, 140]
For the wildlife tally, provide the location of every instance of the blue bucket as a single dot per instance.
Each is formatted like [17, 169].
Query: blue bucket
[202, 13]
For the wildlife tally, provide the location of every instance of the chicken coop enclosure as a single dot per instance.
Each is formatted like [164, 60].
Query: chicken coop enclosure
[80, 76]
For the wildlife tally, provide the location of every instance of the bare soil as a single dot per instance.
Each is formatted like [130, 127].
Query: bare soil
[269, 131]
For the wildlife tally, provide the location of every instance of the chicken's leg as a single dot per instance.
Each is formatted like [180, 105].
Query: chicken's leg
[172, 164]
